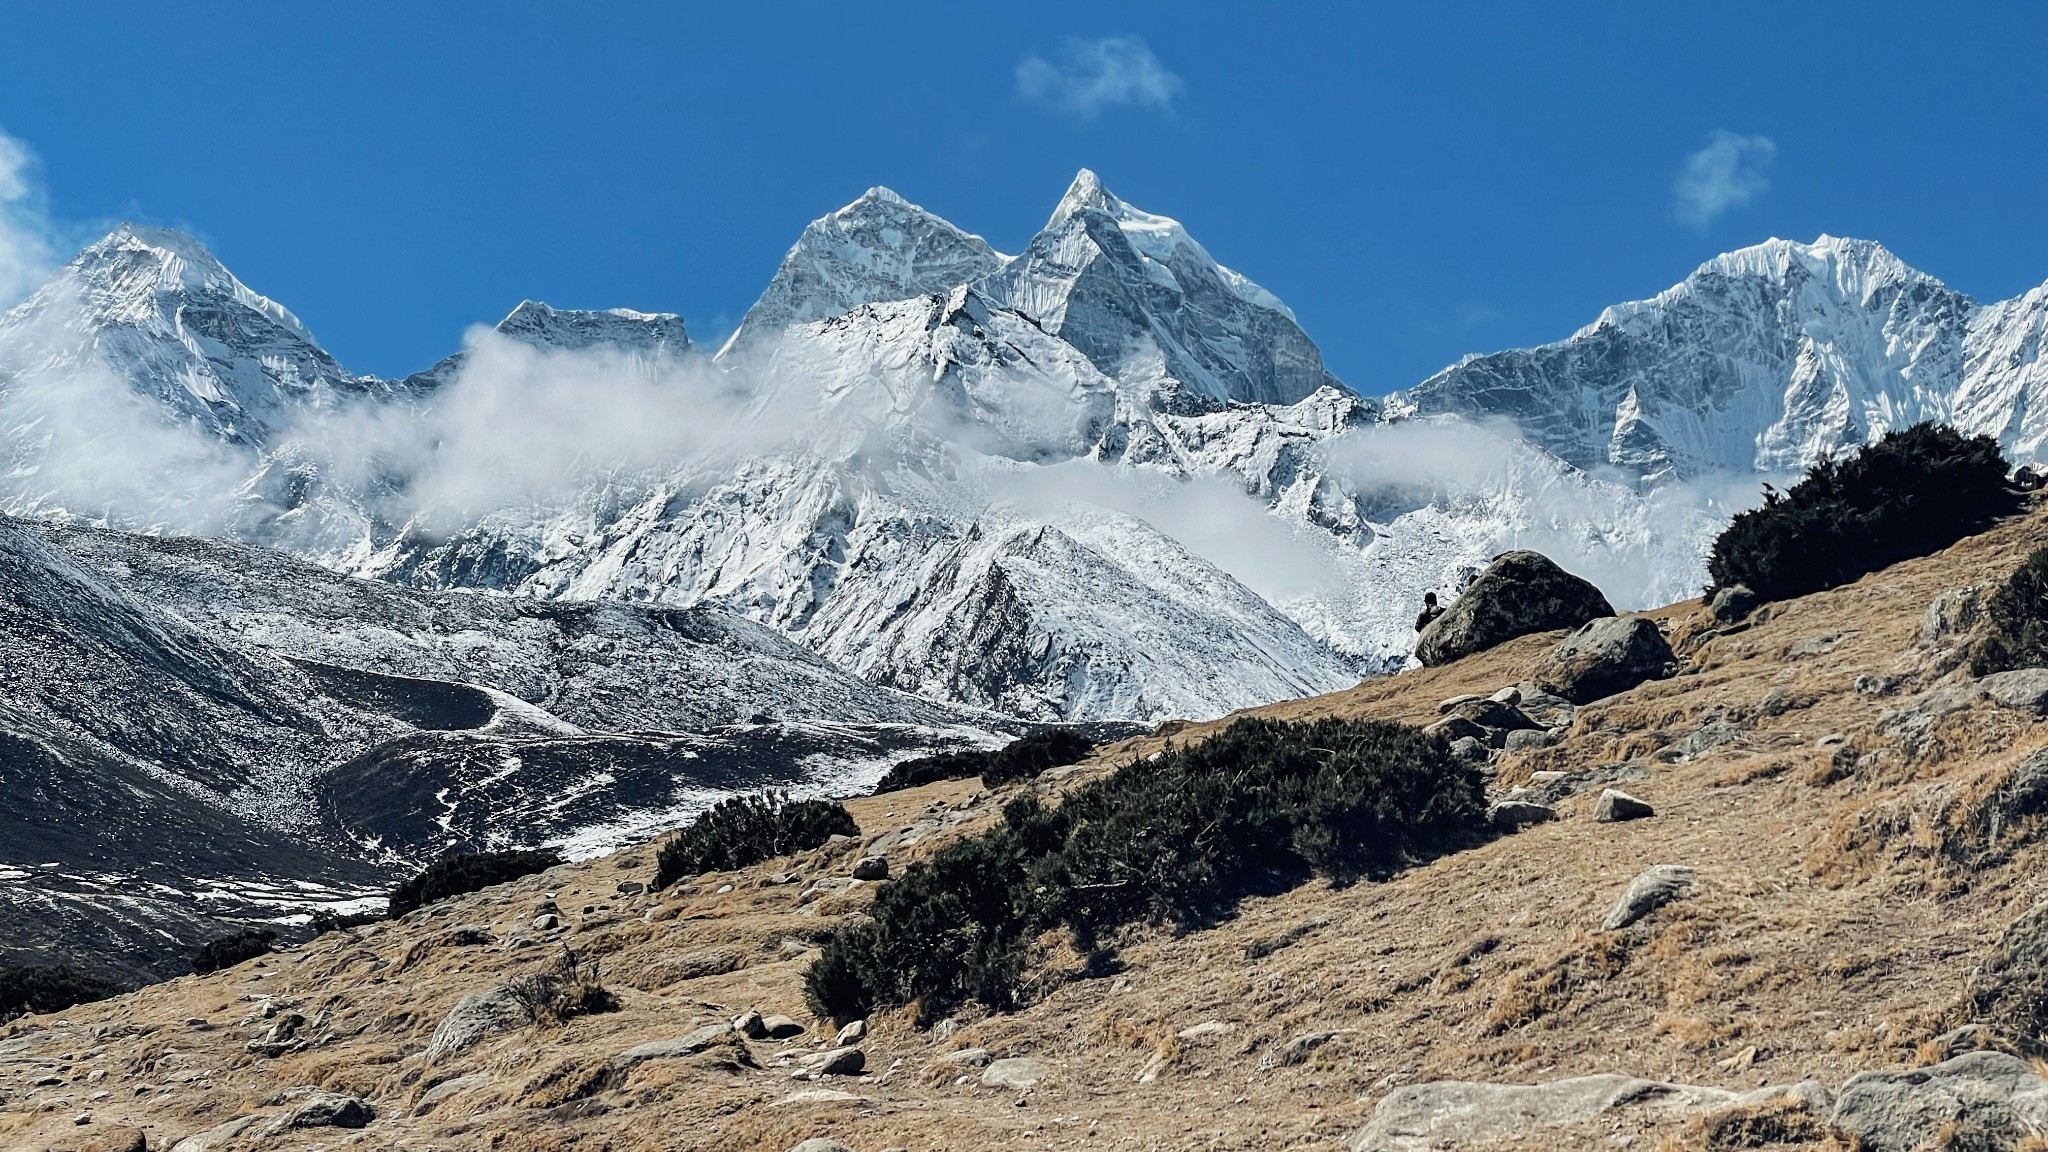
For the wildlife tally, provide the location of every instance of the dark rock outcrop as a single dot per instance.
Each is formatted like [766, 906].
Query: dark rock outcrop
[1519, 593]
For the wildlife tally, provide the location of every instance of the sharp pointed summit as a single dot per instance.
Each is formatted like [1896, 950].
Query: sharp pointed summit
[1131, 289]
[155, 307]
[879, 248]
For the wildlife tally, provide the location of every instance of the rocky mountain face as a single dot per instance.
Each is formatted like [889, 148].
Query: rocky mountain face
[1139, 296]
[1108, 478]
[1767, 359]
[926, 491]
[155, 307]
[205, 732]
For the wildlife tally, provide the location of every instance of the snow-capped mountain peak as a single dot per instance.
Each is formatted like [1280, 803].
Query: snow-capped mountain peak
[155, 307]
[1769, 359]
[1141, 298]
[879, 248]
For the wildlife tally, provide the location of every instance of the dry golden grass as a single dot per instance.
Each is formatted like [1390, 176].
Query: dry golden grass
[1844, 898]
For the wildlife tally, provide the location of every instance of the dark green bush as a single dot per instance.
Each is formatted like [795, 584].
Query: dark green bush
[230, 950]
[1177, 839]
[1913, 492]
[743, 830]
[455, 875]
[49, 988]
[1021, 759]
[2014, 633]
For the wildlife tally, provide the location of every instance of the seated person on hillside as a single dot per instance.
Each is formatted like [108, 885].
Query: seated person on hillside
[1430, 611]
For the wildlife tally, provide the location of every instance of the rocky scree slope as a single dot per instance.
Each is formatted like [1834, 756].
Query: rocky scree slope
[1838, 907]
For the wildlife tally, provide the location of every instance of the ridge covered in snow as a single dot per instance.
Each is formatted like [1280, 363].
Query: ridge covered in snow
[1767, 359]
[1108, 477]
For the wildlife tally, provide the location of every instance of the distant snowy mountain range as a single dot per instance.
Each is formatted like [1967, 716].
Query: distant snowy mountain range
[1105, 478]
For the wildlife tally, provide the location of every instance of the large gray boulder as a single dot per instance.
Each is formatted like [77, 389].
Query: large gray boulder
[1519, 593]
[475, 1017]
[1977, 1100]
[2025, 689]
[1607, 656]
[1447, 1114]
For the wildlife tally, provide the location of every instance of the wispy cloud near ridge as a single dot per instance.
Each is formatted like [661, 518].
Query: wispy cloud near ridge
[1726, 174]
[1094, 75]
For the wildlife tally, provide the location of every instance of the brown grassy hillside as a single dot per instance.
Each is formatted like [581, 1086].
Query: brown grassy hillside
[1847, 891]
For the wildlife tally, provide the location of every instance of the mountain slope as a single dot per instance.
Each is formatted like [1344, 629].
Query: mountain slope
[204, 732]
[154, 306]
[1848, 900]
[1766, 360]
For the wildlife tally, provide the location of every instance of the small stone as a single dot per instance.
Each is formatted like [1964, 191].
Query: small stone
[1525, 739]
[1732, 603]
[1295, 1051]
[1015, 1072]
[749, 1024]
[1616, 806]
[780, 1027]
[82, 1118]
[831, 1062]
[631, 887]
[820, 1144]
[1454, 728]
[871, 868]
[547, 922]
[967, 1058]
[723, 889]
[1469, 748]
[1509, 695]
[851, 1034]
[1657, 886]
[1547, 776]
[1511, 814]
[329, 1110]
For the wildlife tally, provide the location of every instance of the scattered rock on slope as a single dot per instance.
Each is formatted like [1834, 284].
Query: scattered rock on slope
[1607, 656]
[1519, 593]
[1458, 1113]
[1977, 1100]
[1616, 806]
[1657, 886]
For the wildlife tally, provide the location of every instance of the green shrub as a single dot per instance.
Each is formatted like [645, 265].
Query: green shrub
[2015, 626]
[41, 988]
[455, 875]
[1177, 839]
[230, 950]
[743, 830]
[1913, 492]
[1021, 759]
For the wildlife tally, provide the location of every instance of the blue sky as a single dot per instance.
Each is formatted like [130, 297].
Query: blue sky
[1417, 181]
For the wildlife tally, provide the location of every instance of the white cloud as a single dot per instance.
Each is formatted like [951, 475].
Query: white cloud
[1092, 75]
[24, 229]
[1727, 173]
